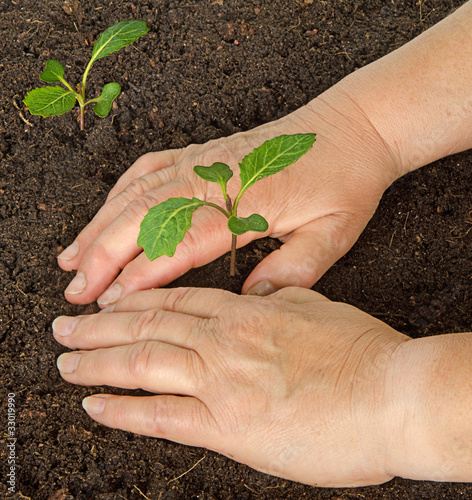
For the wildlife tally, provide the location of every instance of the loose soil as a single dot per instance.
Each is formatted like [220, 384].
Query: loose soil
[207, 69]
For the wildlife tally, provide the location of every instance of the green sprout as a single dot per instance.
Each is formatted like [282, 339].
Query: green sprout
[54, 101]
[165, 225]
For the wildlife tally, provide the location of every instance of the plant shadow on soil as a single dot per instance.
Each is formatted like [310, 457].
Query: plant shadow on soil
[206, 70]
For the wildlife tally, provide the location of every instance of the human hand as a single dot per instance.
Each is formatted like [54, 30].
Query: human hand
[317, 207]
[291, 384]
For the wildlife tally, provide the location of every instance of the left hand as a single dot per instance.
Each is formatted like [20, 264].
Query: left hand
[291, 384]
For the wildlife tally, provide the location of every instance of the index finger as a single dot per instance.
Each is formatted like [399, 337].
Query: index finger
[199, 302]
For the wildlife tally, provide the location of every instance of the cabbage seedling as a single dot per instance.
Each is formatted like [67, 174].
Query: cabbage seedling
[165, 225]
[54, 101]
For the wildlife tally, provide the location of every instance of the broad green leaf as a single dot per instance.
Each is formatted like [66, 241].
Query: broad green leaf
[241, 225]
[49, 101]
[53, 72]
[110, 92]
[116, 37]
[165, 225]
[218, 172]
[273, 156]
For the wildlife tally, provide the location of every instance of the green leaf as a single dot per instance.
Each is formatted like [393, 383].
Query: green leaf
[241, 225]
[53, 73]
[116, 37]
[49, 101]
[110, 92]
[218, 172]
[165, 225]
[272, 157]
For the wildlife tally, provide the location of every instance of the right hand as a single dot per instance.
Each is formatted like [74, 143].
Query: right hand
[317, 207]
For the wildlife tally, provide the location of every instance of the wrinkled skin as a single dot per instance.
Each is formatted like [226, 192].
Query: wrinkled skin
[343, 178]
[291, 384]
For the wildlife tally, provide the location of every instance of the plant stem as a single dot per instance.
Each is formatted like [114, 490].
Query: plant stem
[234, 238]
[80, 96]
[82, 121]
[232, 264]
[229, 205]
[236, 201]
[84, 78]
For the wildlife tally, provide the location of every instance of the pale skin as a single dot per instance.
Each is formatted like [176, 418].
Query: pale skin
[299, 386]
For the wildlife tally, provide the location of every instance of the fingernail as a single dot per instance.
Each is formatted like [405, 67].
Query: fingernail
[93, 405]
[110, 296]
[77, 285]
[70, 252]
[108, 309]
[262, 288]
[64, 325]
[67, 363]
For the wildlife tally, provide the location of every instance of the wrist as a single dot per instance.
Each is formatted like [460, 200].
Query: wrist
[336, 117]
[430, 382]
[418, 96]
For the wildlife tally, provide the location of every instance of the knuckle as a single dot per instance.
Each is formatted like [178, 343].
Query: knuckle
[177, 298]
[249, 326]
[138, 187]
[208, 328]
[139, 207]
[190, 247]
[207, 227]
[166, 415]
[144, 324]
[144, 160]
[215, 150]
[134, 189]
[91, 328]
[264, 326]
[162, 415]
[308, 268]
[120, 417]
[196, 368]
[97, 254]
[139, 359]
[339, 234]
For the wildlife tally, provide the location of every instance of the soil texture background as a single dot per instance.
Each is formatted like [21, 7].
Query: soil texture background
[207, 69]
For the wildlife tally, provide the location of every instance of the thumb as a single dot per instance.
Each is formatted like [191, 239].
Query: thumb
[301, 261]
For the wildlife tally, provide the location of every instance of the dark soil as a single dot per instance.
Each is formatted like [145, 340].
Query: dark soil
[207, 69]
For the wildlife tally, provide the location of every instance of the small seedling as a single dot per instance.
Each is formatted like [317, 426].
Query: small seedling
[54, 101]
[165, 225]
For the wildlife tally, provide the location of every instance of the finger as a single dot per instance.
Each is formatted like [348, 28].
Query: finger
[197, 302]
[303, 259]
[146, 164]
[207, 240]
[153, 366]
[110, 330]
[116, 245]
[185, 420]
[71, 257]
[298, 295]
